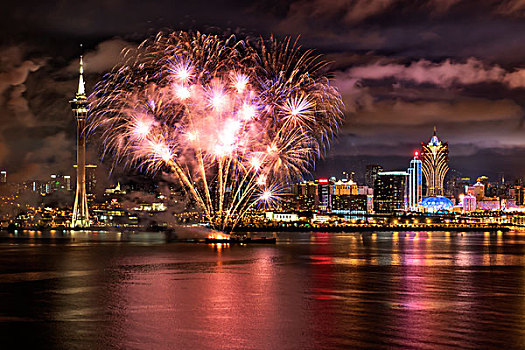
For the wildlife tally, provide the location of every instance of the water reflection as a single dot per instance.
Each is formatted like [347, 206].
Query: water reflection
[371, 290]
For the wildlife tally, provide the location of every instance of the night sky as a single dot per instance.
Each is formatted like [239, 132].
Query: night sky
[401, 66]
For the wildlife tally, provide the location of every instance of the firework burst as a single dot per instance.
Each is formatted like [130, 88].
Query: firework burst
[230, 119]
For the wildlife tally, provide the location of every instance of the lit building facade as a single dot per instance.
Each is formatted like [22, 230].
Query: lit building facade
[307, 196]
[467, 202]
[324, 194]
[344, 188]
[518, 194]
[371, 174]
[492, 204]
[350, 203]
[436, 204]
[415, 183]
[390, 192]
[58, 183]
[434, 157]
[286, 217]
[477, 190]
[3, 176]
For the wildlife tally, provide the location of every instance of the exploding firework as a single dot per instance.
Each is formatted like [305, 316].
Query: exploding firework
[230, 119]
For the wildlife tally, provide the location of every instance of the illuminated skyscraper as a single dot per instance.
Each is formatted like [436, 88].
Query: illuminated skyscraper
[3, 176]
[415, 183]
[371, 174]
[323, 194]
[91, 179]
[390, 191]
[79, 107]
[435, 164]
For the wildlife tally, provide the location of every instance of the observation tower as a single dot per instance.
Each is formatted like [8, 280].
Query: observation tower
[79, 106]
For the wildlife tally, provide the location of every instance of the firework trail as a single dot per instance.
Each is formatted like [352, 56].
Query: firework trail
[230, 119]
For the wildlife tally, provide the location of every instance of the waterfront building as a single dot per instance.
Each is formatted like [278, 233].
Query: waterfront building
[434, 157]
[435, 204]
[415, 183]
[390, 191]
[488, 204]
[307, 196]
[467, 202]
[343, 188]
[79, 106]
[324, 194]
[369, 191]
[67, 183]
[477, 190]
[456, 187]
[91, 179]
[518, 193]
[508, 203]
[282, 217]
[58, 182]
[349, 203]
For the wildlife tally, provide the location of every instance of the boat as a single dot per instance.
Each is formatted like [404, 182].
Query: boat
[230, 239]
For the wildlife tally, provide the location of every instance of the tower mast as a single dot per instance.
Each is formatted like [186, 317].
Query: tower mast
[79, 107]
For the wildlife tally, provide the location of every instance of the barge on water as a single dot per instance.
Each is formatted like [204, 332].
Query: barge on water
[235, 239]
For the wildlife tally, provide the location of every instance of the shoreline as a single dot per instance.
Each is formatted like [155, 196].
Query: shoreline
[247, 229]
[380, 228]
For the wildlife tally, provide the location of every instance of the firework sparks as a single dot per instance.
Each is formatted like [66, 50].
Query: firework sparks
[230, 119]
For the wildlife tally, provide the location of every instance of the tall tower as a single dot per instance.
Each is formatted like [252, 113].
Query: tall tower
[415, 182]
[435, 164]
[79, 107]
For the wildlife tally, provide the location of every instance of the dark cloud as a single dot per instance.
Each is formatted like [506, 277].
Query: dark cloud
[401, 66]
[105, 55]
[444, 74]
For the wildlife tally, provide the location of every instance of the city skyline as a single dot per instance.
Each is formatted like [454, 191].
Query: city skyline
[269, 174]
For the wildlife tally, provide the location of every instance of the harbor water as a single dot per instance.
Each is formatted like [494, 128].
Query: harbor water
[379, 290]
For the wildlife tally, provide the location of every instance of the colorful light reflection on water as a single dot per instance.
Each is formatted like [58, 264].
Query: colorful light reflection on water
[314, 291]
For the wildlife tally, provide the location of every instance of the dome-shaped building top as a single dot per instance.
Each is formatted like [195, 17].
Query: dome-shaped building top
[436, 203]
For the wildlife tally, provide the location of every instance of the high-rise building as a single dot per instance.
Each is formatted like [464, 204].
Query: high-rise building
[58, 183]
[91, 179]
[415, 183]
[345, 197]
[343, 188]
[348, 176]
[371, 174]
[349, 203]
[3, 176]
[477, 190]
[455, 186]
[390, 191]
[518, 193]
[79, 106]
[67, 183]
[324, 194]
[306, 196]
[467, 202]
[484, 180]
[435, 164]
